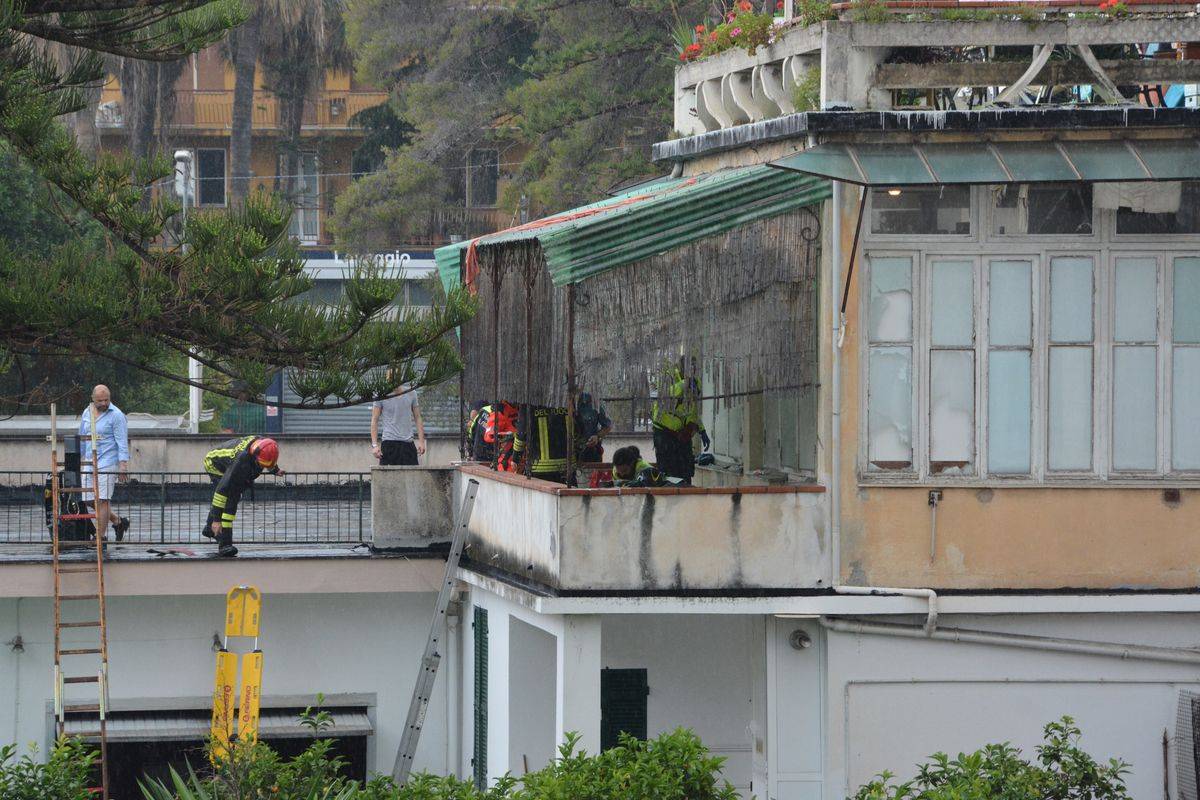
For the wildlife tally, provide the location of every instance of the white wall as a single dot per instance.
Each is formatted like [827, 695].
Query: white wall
[531, 697]
[892, 702]
[701, 670]
[162, 647]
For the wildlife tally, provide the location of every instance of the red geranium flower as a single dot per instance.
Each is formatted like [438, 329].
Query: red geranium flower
[779, 6]
[699, 29]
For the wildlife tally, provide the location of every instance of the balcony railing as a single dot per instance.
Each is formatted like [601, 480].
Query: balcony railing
[172, 507]
[455, 223]
[213, 109]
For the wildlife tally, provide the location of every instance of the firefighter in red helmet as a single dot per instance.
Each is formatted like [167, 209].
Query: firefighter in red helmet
[233, 467]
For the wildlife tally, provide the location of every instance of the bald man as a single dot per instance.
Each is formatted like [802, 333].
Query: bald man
[112, 457]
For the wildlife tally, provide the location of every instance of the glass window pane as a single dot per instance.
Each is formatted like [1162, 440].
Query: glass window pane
[1176, 217]
[951, 411]
[964, 162]
[1186, 300]
[1185, 412]
[1135, 407]
[1042, 209]
[889, 425]
[1136, 300]
[891, 300]
[1008, 412]
[1070, 408]
[210, 172]
[889, 163]
[1035, 161]
[1010, 315]
[1111, 161]
[921, 210]
[1071, 300]
[952, 306]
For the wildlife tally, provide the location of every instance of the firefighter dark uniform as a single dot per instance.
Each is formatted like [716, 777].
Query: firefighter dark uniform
[476, 448]
[676, 421]
[544, 438]
[233, 468]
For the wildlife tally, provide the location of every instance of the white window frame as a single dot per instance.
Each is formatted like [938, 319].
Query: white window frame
[300, 214]
[1103, 247]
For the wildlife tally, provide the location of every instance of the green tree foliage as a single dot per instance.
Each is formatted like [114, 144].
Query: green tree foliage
[675, 766]
[1060, 771]
[64, 776]
[581, 88]
[228, 283]
[374, 213]
[37, 220]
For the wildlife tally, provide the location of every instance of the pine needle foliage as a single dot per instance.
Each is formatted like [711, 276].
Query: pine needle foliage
[224, 285]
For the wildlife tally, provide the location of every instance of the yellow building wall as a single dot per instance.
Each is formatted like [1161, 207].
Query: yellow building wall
[1099, 537]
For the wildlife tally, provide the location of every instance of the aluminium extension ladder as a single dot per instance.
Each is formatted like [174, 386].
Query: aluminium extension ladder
[431, 657]
[89, 589]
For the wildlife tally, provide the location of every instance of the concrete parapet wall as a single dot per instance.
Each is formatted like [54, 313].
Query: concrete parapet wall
[410, 506]
[670, 539]
[184, 453]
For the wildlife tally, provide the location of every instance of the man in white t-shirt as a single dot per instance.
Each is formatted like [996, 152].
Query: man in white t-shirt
[401, 415]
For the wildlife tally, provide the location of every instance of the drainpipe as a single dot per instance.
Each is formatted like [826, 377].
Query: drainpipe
[677, 169]
[1024, 641]
[835, 461]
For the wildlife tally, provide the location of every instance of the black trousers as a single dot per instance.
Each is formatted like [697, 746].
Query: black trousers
[398, 454]
[207, 529]
[673, 457]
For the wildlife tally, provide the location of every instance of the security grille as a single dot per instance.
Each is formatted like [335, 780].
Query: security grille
[479, 760]
[1187, 746]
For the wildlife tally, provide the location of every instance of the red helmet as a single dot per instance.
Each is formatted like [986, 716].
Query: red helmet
[265, 452]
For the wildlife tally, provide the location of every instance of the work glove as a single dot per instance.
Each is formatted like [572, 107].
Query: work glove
[704, 440]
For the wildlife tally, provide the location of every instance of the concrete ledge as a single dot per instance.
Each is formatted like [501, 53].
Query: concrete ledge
[638, 540]
[410, 506]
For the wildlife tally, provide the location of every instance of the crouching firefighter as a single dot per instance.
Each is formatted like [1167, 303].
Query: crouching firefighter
[233, 468]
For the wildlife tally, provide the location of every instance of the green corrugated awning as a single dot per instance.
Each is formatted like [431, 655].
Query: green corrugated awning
[649, 219]
[999, 162]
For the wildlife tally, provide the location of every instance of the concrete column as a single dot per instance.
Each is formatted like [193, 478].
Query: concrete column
[848, 70]
[579, 663]
[497, 706]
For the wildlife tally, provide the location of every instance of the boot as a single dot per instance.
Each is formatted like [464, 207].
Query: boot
[225, 548]
[120, 527]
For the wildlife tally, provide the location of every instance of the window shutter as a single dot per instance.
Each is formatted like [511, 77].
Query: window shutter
[479, 760]
[623, 695]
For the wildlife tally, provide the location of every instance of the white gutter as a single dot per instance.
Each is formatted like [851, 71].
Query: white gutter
[1024, 641]
[835, 439]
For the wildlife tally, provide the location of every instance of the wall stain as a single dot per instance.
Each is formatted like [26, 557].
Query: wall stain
[645, 551]
[735, 535]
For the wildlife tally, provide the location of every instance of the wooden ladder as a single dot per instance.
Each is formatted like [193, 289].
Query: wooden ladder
[87, 588]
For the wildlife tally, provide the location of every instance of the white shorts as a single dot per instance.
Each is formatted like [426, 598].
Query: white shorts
[108, 480]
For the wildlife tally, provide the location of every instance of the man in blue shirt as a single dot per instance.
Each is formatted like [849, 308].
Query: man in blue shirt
[112, 457]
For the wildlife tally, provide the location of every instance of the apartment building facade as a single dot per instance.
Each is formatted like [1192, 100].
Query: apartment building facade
[988, 527]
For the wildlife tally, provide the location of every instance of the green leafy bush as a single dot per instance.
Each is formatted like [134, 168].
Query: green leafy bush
[998, 772]
[64, 776]
[675, 766]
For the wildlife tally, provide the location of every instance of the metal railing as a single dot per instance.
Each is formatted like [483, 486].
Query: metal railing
[213, 108]
[172, 507]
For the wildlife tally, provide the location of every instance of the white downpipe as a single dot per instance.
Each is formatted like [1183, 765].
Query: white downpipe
[1019, 640]
[835, 439]
[835, 392]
